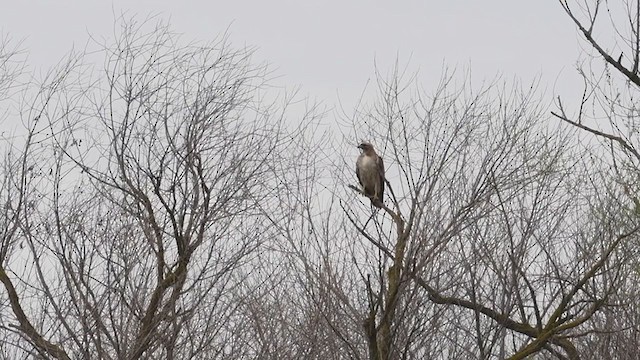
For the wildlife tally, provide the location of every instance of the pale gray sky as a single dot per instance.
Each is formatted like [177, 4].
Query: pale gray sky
[330, 46]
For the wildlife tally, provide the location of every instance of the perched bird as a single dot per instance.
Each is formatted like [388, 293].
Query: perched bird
[370, 172]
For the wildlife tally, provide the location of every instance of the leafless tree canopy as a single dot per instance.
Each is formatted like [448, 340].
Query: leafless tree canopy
[162, 201]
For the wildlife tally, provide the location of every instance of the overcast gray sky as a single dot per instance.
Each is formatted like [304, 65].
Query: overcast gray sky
[328, 47]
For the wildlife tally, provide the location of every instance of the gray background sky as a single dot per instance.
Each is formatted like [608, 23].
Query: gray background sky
[330, 47]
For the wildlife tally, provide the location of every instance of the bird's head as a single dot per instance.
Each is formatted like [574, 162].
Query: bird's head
[365, 146]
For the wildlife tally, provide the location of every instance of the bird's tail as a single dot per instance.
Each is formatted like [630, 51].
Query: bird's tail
[377, 203]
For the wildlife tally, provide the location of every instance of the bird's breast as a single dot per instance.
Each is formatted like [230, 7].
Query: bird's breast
[368, 168]
[367, 162]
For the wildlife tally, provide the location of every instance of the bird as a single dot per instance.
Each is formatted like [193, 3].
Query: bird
[370, 173]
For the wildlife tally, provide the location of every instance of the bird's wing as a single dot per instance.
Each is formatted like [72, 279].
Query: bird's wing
[380, 166]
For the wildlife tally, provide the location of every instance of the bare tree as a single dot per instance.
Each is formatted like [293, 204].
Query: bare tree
[496, 241]
[608, 112]
[21, 194]
[160, 206]
[138, 217]
[501, 238]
